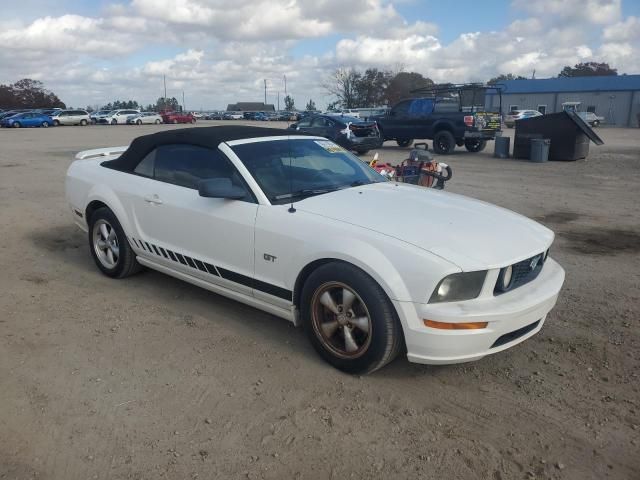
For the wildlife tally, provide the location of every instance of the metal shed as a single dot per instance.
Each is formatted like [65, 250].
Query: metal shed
[616, 98]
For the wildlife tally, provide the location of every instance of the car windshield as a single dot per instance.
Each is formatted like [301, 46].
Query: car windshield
[289, 170]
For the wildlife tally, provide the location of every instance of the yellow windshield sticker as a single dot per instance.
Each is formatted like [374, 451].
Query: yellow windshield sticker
[329, 146]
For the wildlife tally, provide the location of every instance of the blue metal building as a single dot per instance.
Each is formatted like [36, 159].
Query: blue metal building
[616, 98]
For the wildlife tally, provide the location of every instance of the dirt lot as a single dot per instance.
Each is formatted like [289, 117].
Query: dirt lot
[151, 378]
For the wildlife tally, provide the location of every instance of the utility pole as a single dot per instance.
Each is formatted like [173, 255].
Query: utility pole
[184, 107]
[265, 91]
[164, 101]
[278, 101]
[285, 85]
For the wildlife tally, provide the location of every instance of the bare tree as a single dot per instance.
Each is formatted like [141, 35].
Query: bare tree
[343, 84]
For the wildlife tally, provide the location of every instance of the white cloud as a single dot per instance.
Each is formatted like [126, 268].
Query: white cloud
[221, 50]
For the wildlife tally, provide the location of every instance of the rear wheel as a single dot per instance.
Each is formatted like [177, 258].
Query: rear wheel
[16, 125]
[114, 122]
[56, 123]
[158, 122]
[138, 122]
[475, 145]
[404, 142]
[109, 246]
[349, 319]
[44, 124]
[443, 142]
[83, 122]
[93, 121]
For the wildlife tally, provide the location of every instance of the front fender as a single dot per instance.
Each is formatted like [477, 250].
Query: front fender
[104, 194]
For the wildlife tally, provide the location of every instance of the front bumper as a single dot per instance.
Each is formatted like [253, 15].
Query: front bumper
[512, 318]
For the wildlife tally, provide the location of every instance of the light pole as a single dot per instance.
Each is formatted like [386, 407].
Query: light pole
[285, 85]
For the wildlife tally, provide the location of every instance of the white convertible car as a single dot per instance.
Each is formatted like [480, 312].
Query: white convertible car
[296, 226]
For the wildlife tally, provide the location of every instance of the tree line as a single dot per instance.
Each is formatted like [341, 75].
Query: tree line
[351, 87]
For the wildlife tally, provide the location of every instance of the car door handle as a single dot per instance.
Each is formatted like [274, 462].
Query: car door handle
[153, 199]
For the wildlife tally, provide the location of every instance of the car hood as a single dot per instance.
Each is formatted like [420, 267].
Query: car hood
[472, 234]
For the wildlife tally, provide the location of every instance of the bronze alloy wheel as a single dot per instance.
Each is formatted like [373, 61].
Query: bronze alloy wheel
[341, 320]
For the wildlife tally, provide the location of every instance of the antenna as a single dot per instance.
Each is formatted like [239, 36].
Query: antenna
[291, 208]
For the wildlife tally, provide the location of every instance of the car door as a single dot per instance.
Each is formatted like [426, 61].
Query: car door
[322, 127]
[209, 238]
[396, 124]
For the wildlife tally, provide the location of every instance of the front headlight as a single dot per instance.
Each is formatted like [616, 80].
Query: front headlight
[459, 286]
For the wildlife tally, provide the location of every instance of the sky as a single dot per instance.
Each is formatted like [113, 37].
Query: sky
[91, 52]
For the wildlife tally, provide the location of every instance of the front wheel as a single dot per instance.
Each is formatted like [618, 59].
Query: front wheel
[109, 246]
[56, 123]
[114, 122]
[475, 145]
[443, 142]
[16, 125]
[138, 122]
[83, 123]
[45, 124]
[158, 122]
[404, 142]
[349, 319]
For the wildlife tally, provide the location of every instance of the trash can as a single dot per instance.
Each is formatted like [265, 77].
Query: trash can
[569, 134]
[501, 149]
[539, 149]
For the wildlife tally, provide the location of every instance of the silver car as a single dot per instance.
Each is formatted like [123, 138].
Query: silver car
[144, 117]
[70, 117]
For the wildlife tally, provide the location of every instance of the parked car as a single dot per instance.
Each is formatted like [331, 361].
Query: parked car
[260, 116]
[438, 119]
[49, 111]
[144, 117]
[26, 119]
[304, 230]
[10, 113]
[117, 117]
[348, 132]
[177, 117]
[513, 115]
[215, 116]
[197, 115]
[96, 116]
[591, 118]
[71, 117]
[233, 116]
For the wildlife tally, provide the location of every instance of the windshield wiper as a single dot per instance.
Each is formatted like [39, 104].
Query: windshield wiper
[307, 192]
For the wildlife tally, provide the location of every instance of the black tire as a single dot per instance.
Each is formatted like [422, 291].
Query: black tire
[83, 123]
[362, 152]
[56, 123]
[16, 125]
[126, 263]
[443, 142]
[93, 121]
[158, 122]
[404, 142]
[384, 338]
[44, 124]
[114, 122]
[475, 145]
[138, 122]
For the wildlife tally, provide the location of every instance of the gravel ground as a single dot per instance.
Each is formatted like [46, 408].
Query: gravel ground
[151, 378]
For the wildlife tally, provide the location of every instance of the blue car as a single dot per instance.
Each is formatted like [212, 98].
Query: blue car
[27, 119]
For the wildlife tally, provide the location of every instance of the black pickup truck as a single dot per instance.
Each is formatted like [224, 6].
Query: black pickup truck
[445, 121]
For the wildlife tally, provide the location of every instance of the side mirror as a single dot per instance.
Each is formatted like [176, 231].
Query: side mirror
[220, 188]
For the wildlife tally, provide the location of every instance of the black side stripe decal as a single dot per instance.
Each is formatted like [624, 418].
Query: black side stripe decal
[218, 271]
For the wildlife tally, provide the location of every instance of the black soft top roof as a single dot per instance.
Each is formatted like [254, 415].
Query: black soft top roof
[209, 137]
